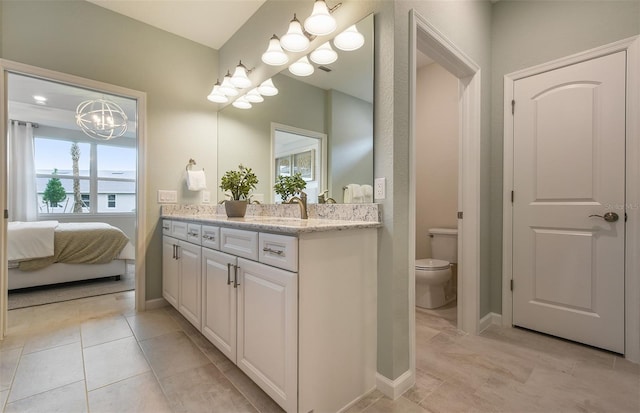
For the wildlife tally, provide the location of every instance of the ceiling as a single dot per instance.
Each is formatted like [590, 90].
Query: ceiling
[208, 22]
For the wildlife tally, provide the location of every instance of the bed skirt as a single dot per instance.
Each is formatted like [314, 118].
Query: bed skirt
[61, 272]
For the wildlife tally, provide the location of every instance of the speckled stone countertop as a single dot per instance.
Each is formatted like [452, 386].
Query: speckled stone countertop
[281, 218]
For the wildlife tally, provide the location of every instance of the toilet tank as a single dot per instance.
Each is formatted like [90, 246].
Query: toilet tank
[444, 244]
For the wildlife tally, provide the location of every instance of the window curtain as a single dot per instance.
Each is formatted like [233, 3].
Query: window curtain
[21, 174]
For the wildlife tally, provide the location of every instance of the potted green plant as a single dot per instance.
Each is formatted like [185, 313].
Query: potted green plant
[288, 185]
[239, 183]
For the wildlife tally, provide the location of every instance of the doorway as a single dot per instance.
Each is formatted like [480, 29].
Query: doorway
[580, 235]
[87, 181]
[424, 37]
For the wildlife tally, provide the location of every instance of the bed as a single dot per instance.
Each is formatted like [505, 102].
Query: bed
[52, 252]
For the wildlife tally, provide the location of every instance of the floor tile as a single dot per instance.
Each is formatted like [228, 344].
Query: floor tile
[103, 330]
[256, 396]
[152, 323]
[400, 405]
[69, 398]
[198, 390]
[46, 370]
[113, 361]
[8, 364]
[172, 353]
[52, 337]
[365, 402]
[138, 394]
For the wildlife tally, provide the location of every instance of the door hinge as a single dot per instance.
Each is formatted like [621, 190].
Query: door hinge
[625, 217]
[460, 214]
[511, 284]
[512, 197]
[6, 214]
[513, 107]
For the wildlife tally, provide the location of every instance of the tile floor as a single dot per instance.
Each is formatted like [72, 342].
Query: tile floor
[99, 355]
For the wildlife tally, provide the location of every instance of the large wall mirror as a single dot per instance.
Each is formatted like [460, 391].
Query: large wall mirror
[320, 124]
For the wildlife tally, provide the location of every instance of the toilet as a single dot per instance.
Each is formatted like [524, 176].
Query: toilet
[434, 281]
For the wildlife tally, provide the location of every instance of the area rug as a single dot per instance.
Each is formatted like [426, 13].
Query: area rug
[29, 297]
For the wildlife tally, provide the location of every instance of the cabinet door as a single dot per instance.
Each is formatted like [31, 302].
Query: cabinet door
[170, 281]
[268, 330]
[189, 256]
[219, 301]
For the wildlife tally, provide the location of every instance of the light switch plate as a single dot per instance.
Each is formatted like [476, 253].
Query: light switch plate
[206, 197]
[379, 190]
[167, 197]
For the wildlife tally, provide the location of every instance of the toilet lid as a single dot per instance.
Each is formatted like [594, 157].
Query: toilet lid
[431, 264]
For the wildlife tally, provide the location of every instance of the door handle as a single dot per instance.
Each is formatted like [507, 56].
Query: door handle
[608, 216]
[235, 276]
[229, 273]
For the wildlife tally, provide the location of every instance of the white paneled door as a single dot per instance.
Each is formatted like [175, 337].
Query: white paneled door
[569, 196]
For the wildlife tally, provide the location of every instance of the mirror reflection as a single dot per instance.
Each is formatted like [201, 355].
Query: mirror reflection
[320, 125]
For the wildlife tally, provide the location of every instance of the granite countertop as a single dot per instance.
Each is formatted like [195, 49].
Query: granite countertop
[274, 224]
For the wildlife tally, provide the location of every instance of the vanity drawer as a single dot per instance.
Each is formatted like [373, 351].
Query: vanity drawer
[279, 251]
[239, 242]
[179, 230]
[166, 227]
[211, 237]
[194, 232]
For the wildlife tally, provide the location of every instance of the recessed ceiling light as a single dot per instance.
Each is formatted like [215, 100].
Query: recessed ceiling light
[40, 99]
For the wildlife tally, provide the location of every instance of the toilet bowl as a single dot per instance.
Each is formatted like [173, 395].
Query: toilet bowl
[433, 283]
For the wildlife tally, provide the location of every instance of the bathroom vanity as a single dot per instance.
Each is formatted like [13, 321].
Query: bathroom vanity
[291, 302]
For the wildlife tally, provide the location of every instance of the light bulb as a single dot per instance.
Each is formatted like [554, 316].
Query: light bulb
[348, 40]
[239, 78]
[242, 103]
[274, 55]
[294, 40]
[302, 67]
[320, 22]
[324, 54]
[267, 88]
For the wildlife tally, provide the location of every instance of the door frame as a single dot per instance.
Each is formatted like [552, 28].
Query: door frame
[425, 36]
[632, 234]
[8, 66]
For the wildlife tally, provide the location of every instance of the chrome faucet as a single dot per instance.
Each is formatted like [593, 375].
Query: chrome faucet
[302, 201]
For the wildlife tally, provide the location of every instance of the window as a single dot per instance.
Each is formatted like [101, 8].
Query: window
[100, 171]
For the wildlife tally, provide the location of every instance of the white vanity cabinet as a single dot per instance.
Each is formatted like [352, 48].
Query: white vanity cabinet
[182, 269]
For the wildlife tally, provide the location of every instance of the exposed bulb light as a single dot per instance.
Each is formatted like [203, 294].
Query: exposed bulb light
[242, 103]
[40, 100]
[324, 54]
[101, 119]
[294, 40]
[267, 88]
[239, 78]
[321, 22]
[227, 87]
[350, 39]
[301, 67]
[216, 94]
[274, 55]
[253, 96]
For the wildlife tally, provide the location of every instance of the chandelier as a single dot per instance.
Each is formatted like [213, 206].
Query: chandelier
[101, 119]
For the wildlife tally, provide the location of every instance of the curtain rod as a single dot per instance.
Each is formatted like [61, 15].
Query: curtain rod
[22, 122]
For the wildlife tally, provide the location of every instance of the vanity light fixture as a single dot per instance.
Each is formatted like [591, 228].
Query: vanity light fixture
[253, 96]
[294, 40]
[101, 119]
[227, 86]
[242, 103]
[324, 54]
[350, 39]
[302, 67]
[267, 88]
[274, 55]
[216, 94]
[239, 78]
[321, 22]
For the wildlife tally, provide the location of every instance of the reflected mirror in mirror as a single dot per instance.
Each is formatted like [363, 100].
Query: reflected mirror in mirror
[330, 112]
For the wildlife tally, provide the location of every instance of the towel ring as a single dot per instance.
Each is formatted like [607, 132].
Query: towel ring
[190, 164]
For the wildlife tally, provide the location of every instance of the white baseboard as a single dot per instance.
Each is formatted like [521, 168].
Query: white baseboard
[155, 303]
[395, 388]
[491, 318]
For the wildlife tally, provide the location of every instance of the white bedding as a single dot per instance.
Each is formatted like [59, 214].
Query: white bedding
[30, 239]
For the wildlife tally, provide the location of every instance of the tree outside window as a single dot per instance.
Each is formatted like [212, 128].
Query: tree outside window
[54, 193]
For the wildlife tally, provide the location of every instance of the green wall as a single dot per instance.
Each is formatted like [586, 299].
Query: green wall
[82, 39]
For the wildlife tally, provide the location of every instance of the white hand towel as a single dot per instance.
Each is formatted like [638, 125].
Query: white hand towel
[367, 191]
[196, 180]
[348, 194]
[358, 195]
